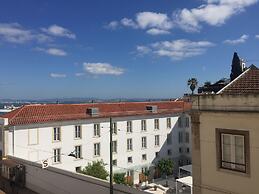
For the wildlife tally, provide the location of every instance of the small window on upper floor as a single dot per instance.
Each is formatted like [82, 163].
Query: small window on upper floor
[168, 123]
[78, 132]
[156, 124]
[56, 134]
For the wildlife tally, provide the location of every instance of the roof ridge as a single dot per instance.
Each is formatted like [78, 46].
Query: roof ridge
[237, 78]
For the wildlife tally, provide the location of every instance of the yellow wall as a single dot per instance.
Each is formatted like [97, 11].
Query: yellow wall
[226, 112]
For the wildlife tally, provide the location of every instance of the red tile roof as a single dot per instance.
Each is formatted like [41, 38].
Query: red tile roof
[31, 114]
[246, 83]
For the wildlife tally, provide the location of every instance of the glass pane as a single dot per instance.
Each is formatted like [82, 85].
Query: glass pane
[239, 150]
[226, 147]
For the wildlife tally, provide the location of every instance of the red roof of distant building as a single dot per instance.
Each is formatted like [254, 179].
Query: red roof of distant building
[32, 114]
[246, 83]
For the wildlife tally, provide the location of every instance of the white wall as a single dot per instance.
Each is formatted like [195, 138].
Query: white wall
[45, 146]
[57, 181]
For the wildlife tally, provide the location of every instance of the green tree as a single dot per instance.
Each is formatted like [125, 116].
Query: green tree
[192, 83]
[165, 166]
[119, 178]
[96, 169]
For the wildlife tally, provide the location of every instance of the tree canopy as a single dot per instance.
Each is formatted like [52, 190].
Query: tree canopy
[96, 169]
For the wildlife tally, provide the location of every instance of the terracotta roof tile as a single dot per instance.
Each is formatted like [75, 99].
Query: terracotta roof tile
[246, 83]
[31, 114]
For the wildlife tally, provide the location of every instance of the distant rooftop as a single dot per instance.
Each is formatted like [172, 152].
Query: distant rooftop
[246, 83]
[32, 114]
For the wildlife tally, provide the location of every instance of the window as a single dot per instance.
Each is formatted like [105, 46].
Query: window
[129, 126]
[180, 137]
[130, 159]
[168, 123]
[143, 125]
[130, 173]
[97, 130]
[156, 123]
[78, 151]
[156, 140]
[144, 156]
[78, 169]
[129, 144]
[180, 162]
[233, 147]
[169, 139]
[144, 170]
[157, 154]
[180, 122]
[77, 131]
[114, 128]
[56, 156]
[56, 134]
[97, 149]
[114, 146]
[188, 162]
[169, 152]
[187, 121]
[114, 162]
[180, 150]
[144, 142]
[187, 137]
[187, 150]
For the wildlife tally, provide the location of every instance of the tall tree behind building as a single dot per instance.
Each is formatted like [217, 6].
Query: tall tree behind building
[236, 68]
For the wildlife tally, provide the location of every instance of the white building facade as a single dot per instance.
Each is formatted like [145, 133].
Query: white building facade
[139, 140]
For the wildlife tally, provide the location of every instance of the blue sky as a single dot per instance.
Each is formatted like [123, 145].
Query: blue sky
[121, 48]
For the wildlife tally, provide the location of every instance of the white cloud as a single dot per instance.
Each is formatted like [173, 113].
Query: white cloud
[153, 20]
[102, 69]
[129, 23]
[242, 39]
[52, 51]
[155, 31]
[112, 25]
[257, 36]
[153, 23]
[143, 49]
[15, 33]
[58, 75]
[176, 49]
[79, 74]
[214, 13]
[59, 31]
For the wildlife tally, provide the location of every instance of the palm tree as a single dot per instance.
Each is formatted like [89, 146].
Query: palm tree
[192, 83]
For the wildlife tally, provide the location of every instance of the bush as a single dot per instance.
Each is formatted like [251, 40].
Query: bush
[96, 169]
[119, 178]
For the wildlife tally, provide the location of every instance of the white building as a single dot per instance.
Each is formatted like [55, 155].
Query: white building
[143, 133]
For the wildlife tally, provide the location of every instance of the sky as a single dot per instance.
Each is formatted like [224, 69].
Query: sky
[121, 48]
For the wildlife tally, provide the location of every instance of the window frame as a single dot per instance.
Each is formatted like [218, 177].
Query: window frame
[144, 142]
[143, 125]
[240, 132]
[169, 123]
[129, 126]
[97, 131]
[157, 140]
[80, 152]
[156, 124]
[56, 158]
[129, 144]
[98, 150]
[54, 139]
[76, 132]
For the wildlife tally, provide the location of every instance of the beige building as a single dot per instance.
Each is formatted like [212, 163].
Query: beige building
[225, 136]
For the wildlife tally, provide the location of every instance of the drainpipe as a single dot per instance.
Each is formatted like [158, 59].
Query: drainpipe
[13, 139]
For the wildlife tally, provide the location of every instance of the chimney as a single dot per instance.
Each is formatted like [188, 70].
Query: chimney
[152, 108]
[93, 111]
